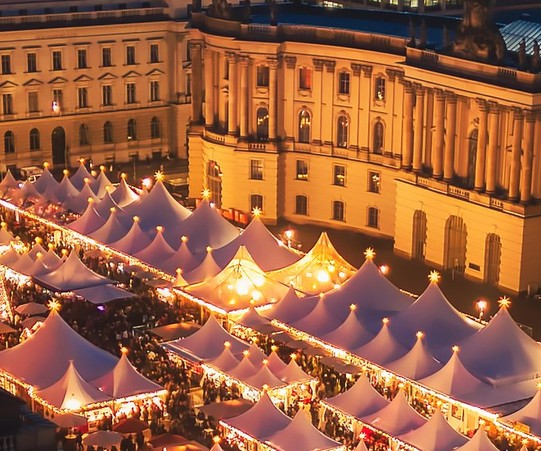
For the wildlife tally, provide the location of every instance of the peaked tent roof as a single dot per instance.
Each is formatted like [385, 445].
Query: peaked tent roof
[433, 314]
[361, 447]
[319, 270]
[78, 179]
[45, 181]
[71, 275]
[301, 435]
[264, 377]
[8, 183]
[206, 227]
[124, 381]
[396, 418]
[43, 264]
[71, 388]
[291, 308]
[27, 191]
[245, 369]
[267, 251]
[417, 363]
[134, 241]
[22, 264]
[101, 294]
[529, 415]
[79, 203]
[239, 284]
[509, 354]
[275, 363]
[351, 334]
[42, 359]
[111, 231]
[261, 421]
[479, 442]
[383, 348]
[100, 184]
[65, 189]
[104, 205]
[435, 435]
[348, 402]
[123, 195]
[207, 269]
[256, 355]
[252, 319]
[50, 258]
[453, 379]
[207, 343]
[37, 248]
[5, 235]
[10, 257]
[225, 361]
[88, 222]
[292, 373]
[49, 194]
[183, 259]
[321, 319]
[157, 251]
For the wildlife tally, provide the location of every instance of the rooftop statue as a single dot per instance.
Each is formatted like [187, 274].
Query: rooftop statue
[478, 38]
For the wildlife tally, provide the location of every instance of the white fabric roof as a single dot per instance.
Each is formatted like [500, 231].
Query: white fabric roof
[157, 251]
[361, 447]
[79, 203]
[508, 354]
[78, 179]
[292, 373]
[256, 355]
[43, 264]
[207, 343]
[275, 363]
[261, 421]
[104, 205]
[111, 231]
[8, 183]
[530, 414]
[206, 227]
[383, 348]
[123, 195]
[49, 194]
[349, 401]
[9, 258]
[268, 252]
[301, 435]
[264, 377]
[5, 235]
[88, 222]
[71, 275]
[37, 248]
[318, 271]
[71, 388]
[244, 369]
[43, 358]
[134, 241]
[101, 294]
[65, 189]
[417, 363]
[435, 435]
[351, 334]
[443, 325]
[396, 418]
[23, 264]
[183, 259]
[101, 184]
[124, 381]
[291, 308]
[207, 269]
[321, 318]
[479, 442]
[252, 319]
[27, 191]
[45, 181]
[226, 361]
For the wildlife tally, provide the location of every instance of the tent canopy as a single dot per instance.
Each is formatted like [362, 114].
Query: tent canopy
[417, 363]
[383, 348]
[101, 294]
[530, 414]
[88, 222]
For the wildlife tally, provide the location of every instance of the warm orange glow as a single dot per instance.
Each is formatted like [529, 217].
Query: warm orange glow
[504, 302]
[124, 175]
[369, 253]
[434, 276]
[159, 176]
[206, 194]
[385, 320]
[136, 219]
[227, 344]
[353, 307]
[45, 164]
[124, 350]
[159, 229]
[256, 212]
[216, 439]
[65, 172]
[455, 348]
[38, 240]
[420, 334]
[53, 305]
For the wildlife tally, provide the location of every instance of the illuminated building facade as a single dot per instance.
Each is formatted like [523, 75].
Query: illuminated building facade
[372, 132]
[94, 79]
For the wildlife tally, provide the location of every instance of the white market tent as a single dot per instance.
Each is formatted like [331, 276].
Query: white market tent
[508, 354]
[435, 435]
[101, 294]
[206, 227]
[27, 192]
[417, 363]
[104, 205]
[157, 251]
[79, 203]
[433, 314]
[124, 381]
[111, 231]
[291, 308]
[240, 284]
[359, 401]
[244, 369]
[205, 344]
[252, 319]
[183, 259]
[5, 235]
[65, 189]
[71, 391]
[207, 269]
[49, 195]
[101, 184]
[134, 241]
[45, 182]
[37, 248]
[264, 378]
[291, 373]
[8, 184]
[226, 361]
[9, 258]
[351, 334]
[530, 415]
[267, 251]
[321, 319]
[256, 355]
[42, 359]
[88, 222]
[301, 435]
[318, 271]
[275, 363]
[479, 442]
[123, 195]
[82, 174]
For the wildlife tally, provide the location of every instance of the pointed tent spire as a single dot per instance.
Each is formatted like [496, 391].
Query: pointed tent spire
[78, 179]
[182, 258]
[291, 308]
[8, 184]
[226, 360]
[79, 203]
[101, 184]
[5, 235]
[65, 189]
[111, 231]
[293, 373]
[123, 195]
[256, 355]
[88, 222]
[361, 446]
[157, 251]
[45, 181]
[263, 379]
[245, 369]
[27, 192]
[351, 334]
[383, 348]
[104, 205]
[275, 363]
[479, 442]
[134, 241]
[529, 415]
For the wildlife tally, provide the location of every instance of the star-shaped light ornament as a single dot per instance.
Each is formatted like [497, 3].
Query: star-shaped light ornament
[159, 176]
[504, 302]
[206, 194]
[434, 276]
[369, 253]
[256, 212]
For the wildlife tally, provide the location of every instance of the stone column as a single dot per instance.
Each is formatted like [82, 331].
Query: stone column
[209, 87]
[327, 99]
[493, 133]
[222, 91]
[527, 159]
[480, 159]
[439, 130]
[244, 97]
[407, 132]
[232, 113]
[317, 116]
[291, 125]
[197, 78]
[355, 87]
[272, 99]
[450, 131]
[419, 123]
[365, 101]
[536, 178]
[516, 151]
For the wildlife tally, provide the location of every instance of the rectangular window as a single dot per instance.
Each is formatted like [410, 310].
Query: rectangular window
[107, 95]
[57, 60]
[154, 53]
[7, 104]
[130, 55]
[302, 170]
[256, 201]
[106, 59]
[343, 83]
[58, 98]
[256, 169]
[339, 176]
[6, 64]
[338, 210]
[305, 78]
[81, 59]
[130, 93]
[31, 62]
[380, 89]
[301, 205]
[373, 217]
[373, 181]
[82, 97]
[33, 106]
[154, 91]
[262, 76]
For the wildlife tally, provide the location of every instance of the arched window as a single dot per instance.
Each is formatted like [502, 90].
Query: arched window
[132, 130]
[9, 142]
[262, 124]
[379, 135]
[108, 132]
[304, 126]
[342, 131]
[155, 128]
[83, 135]
[34, 139]
[472, 157]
